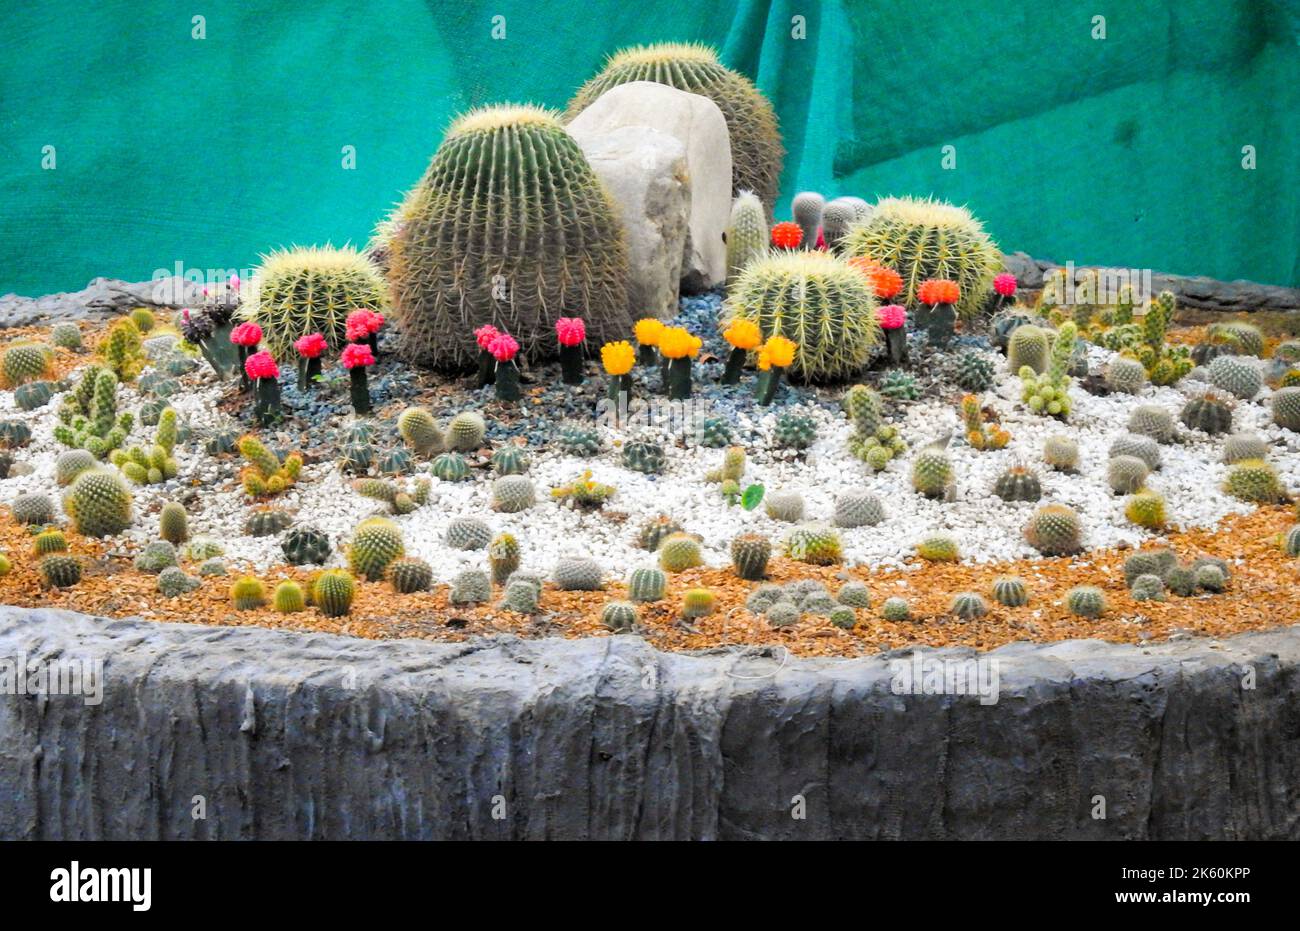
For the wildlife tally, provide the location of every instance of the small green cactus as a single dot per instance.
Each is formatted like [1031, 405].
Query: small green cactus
[468, 533]
[71, 463]
[521, 597]
[32, 509]
[305, 545]
[503, 557]
[1209, 412]
[66, 336]
[932, 472]
[647, 583]
[1211, 578]
[1254, 480]
[1125, 375]
[1285, 405]
[698, 602]
[1126, 474]
[1028, 346]
[746, 233]
[99, 503]
[1140, 447]
[332, 592]
[173, 582]
[973, 372]
[1010, 591]
[156, 556]
[173, 523]
[783, 614]
[510, 460]
[968, 606]
[420, 431]
[680, 552]
[577, 439]
[655, 530]
[750, 553]
[466, 431]
[288, 597]
[470, 587]
[814, 544]
[376, 542]
[450, 467]
[1291, 541]
[59, 570]
[1061, 453]
[644, 456]
[513, 493]
[1241, 446]
[49, 541]
[578, 574]
[1154, 421]
[1086, 601]
[858, 507]
[33, 395]
[1055, 530]
[619, 616]
[1147, 509]
[248, 594]
[794, 430]
[1147, 587]
[1236, 375]
[844, 617]
[785, 506]
[896, 610]
[409, 575]
[1148, 562]
[266, 522]
[938, 547]
[1018, 483]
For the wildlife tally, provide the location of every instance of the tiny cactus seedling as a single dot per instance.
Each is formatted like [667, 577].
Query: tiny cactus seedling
[1086, 601]
[750, 553]
[288, 597]
[647, 583]
[619, 616]
[248, 594]
[968, 606]
[409, 575]
[1010, 591]
[680, 552]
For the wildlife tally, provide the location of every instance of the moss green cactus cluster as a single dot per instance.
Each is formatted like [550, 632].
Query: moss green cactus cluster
[265, 475]
[153, 464]
[873, 441]
[401, 497]
[1049, 392]
[88, 417]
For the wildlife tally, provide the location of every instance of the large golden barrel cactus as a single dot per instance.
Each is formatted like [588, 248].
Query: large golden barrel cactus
[508, 226]
[756, 149]
[920, 239]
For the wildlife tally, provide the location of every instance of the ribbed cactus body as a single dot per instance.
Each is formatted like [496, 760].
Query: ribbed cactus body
[1029, 345]
[647, 584]
[465, 432]
[450, 467]
[99, 503]
[1055, 530]
[750, 553]
[1154, 421]
[1147, 587]
[420, 431]
[1241, 446]
[59, 570]
[854, 595]
[266, 522]
[288, 597]
[1210, 413]
[698, 602]
[248, 594]
[305, 545]
[1086, 601]
[578, 574]
[644, 456]
[931, 472]
[756, 150]
[1286, 408]
[746, 233]
[409, 575]
[655, 530]
[924, 239]
[840, 214]
[680, 552]
[510, 460]
[376, 542]
[578, 439]
[49, 541]
[1147, 509]
[1018, 484]
[32, 509]
[794, 429]
[1254, 480]
[333, 592]
[33, 395]
[968, 606]
[513, 493]
[1010, 591]
[1126, 474]
[973, 371]
[619, 616]
[823, 304]
[1236, 375]
[1291, 541]
[858, 507]
[24, 362]
[468, 533]
[504, 556]
[807, 207]
[508, 226]
[1148, 562]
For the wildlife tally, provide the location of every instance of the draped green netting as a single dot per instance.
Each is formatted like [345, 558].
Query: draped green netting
[204, 152]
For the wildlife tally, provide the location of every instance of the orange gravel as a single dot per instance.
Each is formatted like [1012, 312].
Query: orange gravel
[1264, 593]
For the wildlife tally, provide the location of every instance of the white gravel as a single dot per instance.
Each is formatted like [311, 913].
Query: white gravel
[986, 528]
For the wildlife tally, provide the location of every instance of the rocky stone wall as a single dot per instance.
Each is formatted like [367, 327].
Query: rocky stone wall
[284, 735]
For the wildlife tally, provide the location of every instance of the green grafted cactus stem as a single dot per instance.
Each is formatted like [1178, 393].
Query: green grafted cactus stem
[507, 381]
[308, 372]
[678, 379]
[620, 390]
[766, 385]
[267, 409]
[735, 366]
[938, 321]
[360, 389]
[571, 365]
[896, 345]
[487, 368]
[646, 355]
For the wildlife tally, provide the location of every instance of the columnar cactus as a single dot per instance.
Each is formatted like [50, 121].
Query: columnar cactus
[746, 233]
[88, 417]
[750, 553]
[807, 208]
[1055, 530]
[99, 503]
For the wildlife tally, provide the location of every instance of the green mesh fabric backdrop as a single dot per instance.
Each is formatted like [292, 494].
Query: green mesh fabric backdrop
[170, 149]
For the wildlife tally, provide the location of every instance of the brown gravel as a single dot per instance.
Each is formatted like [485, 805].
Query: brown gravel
[1264, 593]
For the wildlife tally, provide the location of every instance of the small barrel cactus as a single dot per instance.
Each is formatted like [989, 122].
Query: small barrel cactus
[1181, 580]
[33, 395]
[1010, 591]
[503, 557]
[1147, 509]
[938, 547]
[973, 372]
[1254, 480]
[173, 582]
[647, 583]
[764, 596]
[858, 507]
[470, 587]
[1154, 421]
[785, 506]
[248, 594]
[794, 429]
[1086, 601]
[1018, 483]
[1126, 474]
[1028, 346]
[655, 530]
[844, 617]
[1126, 375]
[1208, 412]
[1286, 408]
[510, 460]
[783, 614]
[99, 503]
[266, 522]
[450, 467]
[680, 552]
[468, 533]
[1061, 453]
[1055, 530]
[66, 336]
[288, 597]
[466, 431]
[1141, 447]
[968, 606]
[619, 616]
[376, 542]
[578, 439]
[521, 597]
[644, 456]
[71, 463]
[156, 556]
[305, 545]
[714, 432]
[49, 541]
[578, 574]
[1291, 541]
[814, 544]
[395, 462]
[1148, 562]
[931, 472]
[750, 553]
[409, 575]
[420, 431]
[333, 591]
[1147, 587]
[896, 609]
[1211, 578]
[1241, 446]
[1236, 375]
[854, 594]
[513, 493]
[698, 602]
[59, 570]
[173, 523]
[32, 509]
